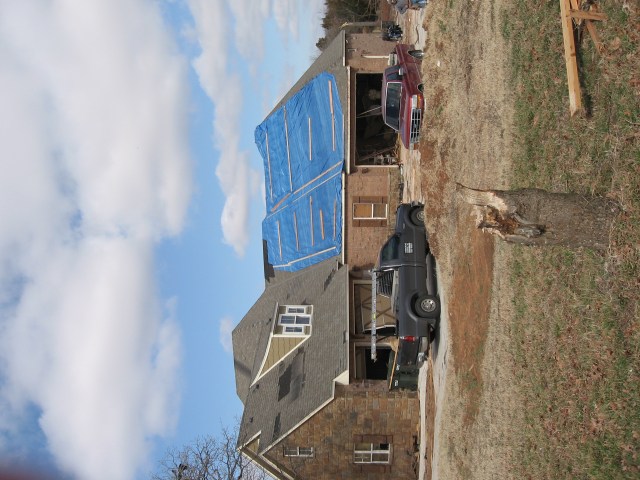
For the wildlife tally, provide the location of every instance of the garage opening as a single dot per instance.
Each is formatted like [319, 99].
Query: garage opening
[375, 141]
[369, 369]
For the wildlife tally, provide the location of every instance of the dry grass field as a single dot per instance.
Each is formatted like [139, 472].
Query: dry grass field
[545, 374]
[576, 325]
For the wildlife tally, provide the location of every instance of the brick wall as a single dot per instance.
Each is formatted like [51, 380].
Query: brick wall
[364, 412]
[359, 46]
[365, 237]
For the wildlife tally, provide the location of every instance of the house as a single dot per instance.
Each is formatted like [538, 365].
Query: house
[315, 404]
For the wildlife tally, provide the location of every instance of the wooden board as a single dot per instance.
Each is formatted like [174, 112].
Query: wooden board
[575, 96]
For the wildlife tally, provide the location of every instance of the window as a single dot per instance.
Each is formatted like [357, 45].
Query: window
[372, 453]
[294, 320]
[392, 106]
[298, 451]
[370, 211]
[390, 250]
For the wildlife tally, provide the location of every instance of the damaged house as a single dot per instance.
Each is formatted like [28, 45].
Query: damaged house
[315, 404]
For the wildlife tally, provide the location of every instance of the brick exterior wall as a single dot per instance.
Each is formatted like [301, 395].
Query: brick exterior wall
[364, 238]
[364, 412]
[359, 46]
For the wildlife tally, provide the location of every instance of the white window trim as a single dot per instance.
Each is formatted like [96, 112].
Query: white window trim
[366, 456]
[295, 329]
[306, 452]
[371, 204]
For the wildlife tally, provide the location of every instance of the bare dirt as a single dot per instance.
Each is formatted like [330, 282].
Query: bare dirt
[466, 139]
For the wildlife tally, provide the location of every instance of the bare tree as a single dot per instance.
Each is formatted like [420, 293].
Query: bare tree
[209, 458]
[537, 217]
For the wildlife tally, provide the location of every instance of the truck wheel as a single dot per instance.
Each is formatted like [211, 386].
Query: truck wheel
[417, 216]
[427, 306]
[417, 54]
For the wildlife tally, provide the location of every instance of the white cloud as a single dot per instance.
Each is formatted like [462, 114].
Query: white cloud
[95, 170]
[226, 327]
[213, 20]
[224, 88]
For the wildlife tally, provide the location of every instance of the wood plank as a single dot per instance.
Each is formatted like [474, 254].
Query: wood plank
[575, 100]
[279, 240]
[311, 219]
[310, 144]
[591, 28]
[269, 167]
[295, 227]
[286, 136]
[575, 5]
[584, 15]
[335, 217]
[333, 118]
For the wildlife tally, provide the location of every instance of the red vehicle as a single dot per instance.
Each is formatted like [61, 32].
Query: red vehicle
[402, 99]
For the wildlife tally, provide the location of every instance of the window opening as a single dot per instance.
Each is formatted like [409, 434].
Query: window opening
[372, 453]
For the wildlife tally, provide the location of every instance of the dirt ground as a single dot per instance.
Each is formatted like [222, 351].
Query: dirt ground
[466, 139]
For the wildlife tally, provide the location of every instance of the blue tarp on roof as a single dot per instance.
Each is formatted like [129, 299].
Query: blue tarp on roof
[302, 149]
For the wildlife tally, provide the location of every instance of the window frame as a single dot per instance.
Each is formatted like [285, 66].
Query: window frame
[300, 452]
[299, 319]
[366, 456]
[373, 210]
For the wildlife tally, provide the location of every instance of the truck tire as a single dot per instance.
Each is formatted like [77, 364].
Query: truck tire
[427, 306]
[419, 54]
[417, 216]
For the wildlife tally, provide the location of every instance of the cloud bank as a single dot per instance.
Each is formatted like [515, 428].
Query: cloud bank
[95, 171]
[219, 77]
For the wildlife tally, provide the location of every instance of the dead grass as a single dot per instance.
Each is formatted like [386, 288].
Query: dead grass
[430, 415]
[469, 304]
[576, 340]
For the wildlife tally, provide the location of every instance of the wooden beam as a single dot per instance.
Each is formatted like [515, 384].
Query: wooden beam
[295, 227]
[585, 15]
[575, 100]
[591, 28]
[335, 217]
[286, 136]
[269, 166]
[333, 118]
[311, 219]
[310, 144]
[575, 5]
[279, 240]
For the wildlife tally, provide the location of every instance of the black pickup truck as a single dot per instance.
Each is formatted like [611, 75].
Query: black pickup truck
[406, 273]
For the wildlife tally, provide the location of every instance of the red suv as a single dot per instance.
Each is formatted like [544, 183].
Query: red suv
[402, 99]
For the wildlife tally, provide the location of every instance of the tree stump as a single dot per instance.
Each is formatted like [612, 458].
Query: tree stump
[536, 217]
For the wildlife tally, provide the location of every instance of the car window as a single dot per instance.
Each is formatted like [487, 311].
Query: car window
[393, 75]
[390, 250]
[392, 105]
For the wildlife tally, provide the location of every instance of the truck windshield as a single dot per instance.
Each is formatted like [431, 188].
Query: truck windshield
[392, 105]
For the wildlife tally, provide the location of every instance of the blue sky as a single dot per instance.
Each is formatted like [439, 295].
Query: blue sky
[131, 197]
